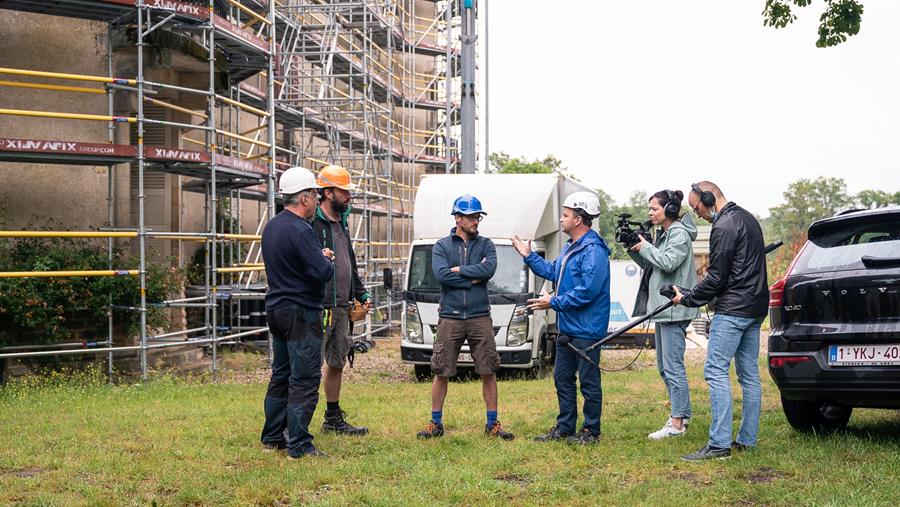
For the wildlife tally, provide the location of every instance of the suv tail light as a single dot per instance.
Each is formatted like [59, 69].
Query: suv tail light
[776, 291]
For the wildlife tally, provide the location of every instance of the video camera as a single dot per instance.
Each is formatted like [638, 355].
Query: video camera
[628, 236]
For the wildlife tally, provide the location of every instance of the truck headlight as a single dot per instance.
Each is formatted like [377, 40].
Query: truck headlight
[517, 332]
[413, 324]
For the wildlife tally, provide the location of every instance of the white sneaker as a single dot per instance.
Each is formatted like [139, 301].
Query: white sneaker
[666, 431]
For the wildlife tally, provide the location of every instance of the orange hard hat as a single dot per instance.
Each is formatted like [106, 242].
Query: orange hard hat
[335, 176]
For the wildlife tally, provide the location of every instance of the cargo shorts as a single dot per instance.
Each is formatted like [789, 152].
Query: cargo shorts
[478, 332]
[337, 342]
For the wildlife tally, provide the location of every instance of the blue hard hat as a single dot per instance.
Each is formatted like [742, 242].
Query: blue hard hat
[467, 205]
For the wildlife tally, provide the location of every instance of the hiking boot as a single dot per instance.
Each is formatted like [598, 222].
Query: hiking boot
[432, 430]
[667, 431]
[497, 431]
[310, 452]
[739, 447]
[707, 452]
[277, 446]
[583, 438]
[553, 434]
[337, 424]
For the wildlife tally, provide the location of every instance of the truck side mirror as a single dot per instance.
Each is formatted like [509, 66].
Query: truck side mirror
[388, 278]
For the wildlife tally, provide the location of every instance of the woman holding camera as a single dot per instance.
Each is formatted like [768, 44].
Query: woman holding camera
[669, 261]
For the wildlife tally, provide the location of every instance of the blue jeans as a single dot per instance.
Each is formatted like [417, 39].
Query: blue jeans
[738, 338]
[564, 369]
[670, 338]
[293, 391]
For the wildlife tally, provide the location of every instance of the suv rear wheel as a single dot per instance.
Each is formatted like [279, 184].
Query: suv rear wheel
[820, 416]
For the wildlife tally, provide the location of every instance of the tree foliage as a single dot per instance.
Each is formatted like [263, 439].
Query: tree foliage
[877, 198]
[48, 310]
[841, 18]
[503, 163]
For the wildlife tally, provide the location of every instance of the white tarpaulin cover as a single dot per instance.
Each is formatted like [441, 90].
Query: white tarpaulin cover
[526, 205]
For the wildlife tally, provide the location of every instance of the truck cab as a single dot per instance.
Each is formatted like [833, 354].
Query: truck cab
[526, 205]
[521, 336]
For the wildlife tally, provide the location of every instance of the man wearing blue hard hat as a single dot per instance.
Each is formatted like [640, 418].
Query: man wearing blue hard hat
[463, 262]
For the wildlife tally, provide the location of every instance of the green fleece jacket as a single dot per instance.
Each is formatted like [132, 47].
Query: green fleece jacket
[671, 259]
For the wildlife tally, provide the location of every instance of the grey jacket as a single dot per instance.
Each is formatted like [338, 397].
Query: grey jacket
[672, 262]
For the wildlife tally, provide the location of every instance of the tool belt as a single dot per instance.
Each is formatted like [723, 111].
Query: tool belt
[358, 311]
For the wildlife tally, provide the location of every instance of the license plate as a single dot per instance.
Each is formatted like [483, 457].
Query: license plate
[864, 355]
[465, 358]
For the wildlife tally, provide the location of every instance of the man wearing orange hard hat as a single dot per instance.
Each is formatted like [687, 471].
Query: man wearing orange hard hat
[346, 298]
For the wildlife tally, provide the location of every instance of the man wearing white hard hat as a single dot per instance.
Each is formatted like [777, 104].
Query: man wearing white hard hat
[581, 275]
[297, 269]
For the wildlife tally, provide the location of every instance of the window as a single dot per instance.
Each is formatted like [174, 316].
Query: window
[844, 248]
[511, 276]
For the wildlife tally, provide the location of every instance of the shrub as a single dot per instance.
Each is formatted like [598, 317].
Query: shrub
[49, 310]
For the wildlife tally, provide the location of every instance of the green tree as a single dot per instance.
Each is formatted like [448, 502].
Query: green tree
[841, 18]
[877, 198]
[503, 163]
[806, 201]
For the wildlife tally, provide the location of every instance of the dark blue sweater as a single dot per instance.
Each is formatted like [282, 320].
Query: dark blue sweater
[295, 267]
[477, 260]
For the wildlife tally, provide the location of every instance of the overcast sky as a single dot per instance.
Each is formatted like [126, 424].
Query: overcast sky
[644, 95]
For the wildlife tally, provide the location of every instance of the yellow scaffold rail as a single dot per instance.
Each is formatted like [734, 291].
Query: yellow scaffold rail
[60, 88]
[68, 234]
[240, 269]
[126, 234]
[61, 274]
[68, 116]
[60, 75]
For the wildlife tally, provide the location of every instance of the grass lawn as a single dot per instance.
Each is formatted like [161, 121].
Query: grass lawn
[174, 442]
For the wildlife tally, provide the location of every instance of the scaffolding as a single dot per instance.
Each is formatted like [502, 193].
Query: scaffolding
[372, 85]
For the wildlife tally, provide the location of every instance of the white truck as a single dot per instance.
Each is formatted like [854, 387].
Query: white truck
[526, 205]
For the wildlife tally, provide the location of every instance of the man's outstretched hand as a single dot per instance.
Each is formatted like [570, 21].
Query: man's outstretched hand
[541, 303]
[522, 247]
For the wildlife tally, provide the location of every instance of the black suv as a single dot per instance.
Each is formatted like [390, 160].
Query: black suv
[835, 319]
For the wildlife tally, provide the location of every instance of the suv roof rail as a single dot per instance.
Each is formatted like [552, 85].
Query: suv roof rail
[848, 211]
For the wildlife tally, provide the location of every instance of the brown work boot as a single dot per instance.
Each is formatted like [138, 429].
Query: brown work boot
[497, 431]
[432, 430]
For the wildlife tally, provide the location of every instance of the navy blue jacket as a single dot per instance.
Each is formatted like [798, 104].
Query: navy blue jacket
[581, 273]
[477, 259]
[295, 267]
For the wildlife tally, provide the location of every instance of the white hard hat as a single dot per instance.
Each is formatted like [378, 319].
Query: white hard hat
[585, 201]
[296, 179]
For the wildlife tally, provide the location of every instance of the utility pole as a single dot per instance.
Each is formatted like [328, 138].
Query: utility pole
[468, 38]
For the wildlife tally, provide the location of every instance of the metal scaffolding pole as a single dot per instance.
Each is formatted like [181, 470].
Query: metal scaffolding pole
[140, 162]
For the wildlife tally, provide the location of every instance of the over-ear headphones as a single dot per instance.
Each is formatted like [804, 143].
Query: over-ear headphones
[706, 197]
[673, 205]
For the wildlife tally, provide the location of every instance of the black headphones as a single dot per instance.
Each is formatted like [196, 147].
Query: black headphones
[673, 205]
[707, 198]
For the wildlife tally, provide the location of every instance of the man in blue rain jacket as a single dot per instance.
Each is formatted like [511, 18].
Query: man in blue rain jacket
[581, 275]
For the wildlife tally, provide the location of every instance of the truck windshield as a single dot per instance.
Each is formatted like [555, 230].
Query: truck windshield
[511, 276]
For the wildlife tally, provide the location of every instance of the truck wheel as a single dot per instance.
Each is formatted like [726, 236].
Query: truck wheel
[423, 372]
[818, 416]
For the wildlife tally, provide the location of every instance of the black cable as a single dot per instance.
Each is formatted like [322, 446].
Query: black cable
[640, 351]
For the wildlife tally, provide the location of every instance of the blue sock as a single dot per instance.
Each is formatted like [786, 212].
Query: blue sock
[491, 418]
[436, 416]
